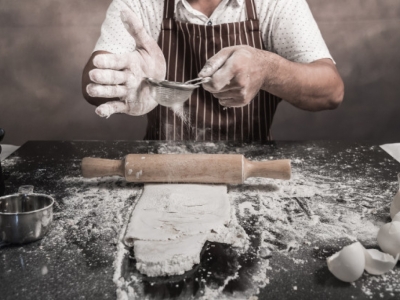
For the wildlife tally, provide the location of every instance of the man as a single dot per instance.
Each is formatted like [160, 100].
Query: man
[255, 51]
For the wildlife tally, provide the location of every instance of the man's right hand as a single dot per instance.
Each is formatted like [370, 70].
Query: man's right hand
[122, 75]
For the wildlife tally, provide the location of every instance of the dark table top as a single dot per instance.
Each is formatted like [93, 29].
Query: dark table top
[340, 192]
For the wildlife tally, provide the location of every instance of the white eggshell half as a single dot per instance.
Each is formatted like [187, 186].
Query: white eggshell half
[377, 262]
[389, 238]
[348, 264]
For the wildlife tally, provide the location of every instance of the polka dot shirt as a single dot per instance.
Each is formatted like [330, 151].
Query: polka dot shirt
[287, 26]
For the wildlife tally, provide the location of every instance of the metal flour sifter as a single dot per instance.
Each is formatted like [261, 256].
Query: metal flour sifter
[170, 93]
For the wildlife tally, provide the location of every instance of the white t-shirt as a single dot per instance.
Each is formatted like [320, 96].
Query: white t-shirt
[287, 26]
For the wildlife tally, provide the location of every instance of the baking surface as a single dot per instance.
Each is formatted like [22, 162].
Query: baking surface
[340, 192]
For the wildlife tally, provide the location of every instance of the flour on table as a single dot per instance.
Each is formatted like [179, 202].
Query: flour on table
[171, 223]
[318, 210]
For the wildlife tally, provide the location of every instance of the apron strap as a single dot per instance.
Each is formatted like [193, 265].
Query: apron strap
[251, 10]
[169, 9]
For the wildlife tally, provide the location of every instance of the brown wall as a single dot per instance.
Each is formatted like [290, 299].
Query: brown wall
[44, 45]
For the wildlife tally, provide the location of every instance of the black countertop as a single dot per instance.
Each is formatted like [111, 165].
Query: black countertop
[82, 257]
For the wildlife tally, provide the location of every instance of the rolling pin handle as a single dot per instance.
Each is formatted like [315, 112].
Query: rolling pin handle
[275, 169]
[98, 167]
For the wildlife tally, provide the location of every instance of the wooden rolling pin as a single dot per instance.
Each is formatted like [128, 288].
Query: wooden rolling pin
[194, 168]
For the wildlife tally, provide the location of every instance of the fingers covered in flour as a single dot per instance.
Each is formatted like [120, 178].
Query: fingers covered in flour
[121, 75]
[231, 102]
[110, 108]
[237, 74]
[109, 76]
[232, 98]
[152, 59]
[135, 27]
[106, 91]
[221, 68]
[216, 62]
[113, 61]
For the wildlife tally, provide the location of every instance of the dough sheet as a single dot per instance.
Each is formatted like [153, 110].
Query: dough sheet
[171, 223]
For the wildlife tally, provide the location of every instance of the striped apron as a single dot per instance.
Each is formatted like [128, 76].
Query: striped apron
[186, 48]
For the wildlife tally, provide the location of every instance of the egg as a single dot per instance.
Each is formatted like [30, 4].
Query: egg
[348, 264]
[377, 262]
[395, 206]
[389, 238]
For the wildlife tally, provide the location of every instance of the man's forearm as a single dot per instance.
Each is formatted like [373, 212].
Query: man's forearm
[314, 86]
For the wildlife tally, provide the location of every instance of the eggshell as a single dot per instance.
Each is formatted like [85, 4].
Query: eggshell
[348, 264]
[377, 262]
[395, 206]
[389, 238]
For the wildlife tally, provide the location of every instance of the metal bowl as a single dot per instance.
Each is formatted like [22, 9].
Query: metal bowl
[25, 217]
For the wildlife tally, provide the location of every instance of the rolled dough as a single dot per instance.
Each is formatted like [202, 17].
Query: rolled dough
[171, 259]
[171, 223]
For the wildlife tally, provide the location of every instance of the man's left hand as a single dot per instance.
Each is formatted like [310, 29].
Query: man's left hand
[238, 73]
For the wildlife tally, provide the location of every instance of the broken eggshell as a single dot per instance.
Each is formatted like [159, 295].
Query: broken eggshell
[389, 238]
[395, 206]
[348, 264]
[377, 262]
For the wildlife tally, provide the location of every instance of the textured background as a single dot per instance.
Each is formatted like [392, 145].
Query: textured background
[45, 44]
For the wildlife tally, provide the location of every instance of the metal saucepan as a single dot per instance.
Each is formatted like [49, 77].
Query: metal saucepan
[25, 217]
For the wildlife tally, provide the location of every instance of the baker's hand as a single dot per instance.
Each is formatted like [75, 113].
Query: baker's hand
[237, 73]
[122, 75]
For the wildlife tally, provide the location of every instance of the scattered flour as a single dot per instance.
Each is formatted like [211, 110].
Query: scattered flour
[311, 209]
[316, 207]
